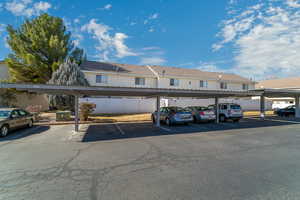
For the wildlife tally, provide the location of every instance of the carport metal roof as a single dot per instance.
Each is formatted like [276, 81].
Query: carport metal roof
[279, 92]
[126, 91]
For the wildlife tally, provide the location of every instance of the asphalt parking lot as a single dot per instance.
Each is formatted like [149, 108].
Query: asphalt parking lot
[252, 159]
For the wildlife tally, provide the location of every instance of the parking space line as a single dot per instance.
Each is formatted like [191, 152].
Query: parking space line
[274, 120]
[119, 128]
[165, 129]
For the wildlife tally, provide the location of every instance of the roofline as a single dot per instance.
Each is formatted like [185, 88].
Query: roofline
[126, 91]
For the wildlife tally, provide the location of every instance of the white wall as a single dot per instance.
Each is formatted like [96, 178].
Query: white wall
[127, 80]
[140, 105]
[119, 80]
[123, 105]
[246, 104]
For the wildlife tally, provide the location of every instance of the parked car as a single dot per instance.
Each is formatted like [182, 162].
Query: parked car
[202, 113]
[173, 115]
[14, 118]
[228, 111]
[286, 112]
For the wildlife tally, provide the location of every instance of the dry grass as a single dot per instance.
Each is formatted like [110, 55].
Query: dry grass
[123, 117]
[257, 113]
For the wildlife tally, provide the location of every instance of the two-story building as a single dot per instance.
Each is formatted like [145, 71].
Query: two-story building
[125, 75]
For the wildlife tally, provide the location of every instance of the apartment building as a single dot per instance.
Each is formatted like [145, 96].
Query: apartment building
[124, 75]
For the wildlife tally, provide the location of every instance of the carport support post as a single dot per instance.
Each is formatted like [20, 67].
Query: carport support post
[76, 114]
[158, 111]
[262, 107]
[297, 103]
[217, 109]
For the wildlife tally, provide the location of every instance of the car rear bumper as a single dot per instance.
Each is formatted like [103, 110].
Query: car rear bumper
[180, 120]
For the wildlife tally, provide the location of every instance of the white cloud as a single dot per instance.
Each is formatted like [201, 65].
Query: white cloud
[151, 48]
[154, 16]
[152, 61]
[293, 3]
[132, 23]
[106, 7]
[26, 7]
[108, 46]
[151, 30]
[266, 39]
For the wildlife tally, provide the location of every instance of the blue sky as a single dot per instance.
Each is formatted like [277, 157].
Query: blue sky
[258, 39]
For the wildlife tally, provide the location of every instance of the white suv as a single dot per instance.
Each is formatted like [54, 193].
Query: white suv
[229, 111]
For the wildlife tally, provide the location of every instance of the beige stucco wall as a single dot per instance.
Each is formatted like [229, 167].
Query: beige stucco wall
[3, 72]
[118, 80]
[122, 80]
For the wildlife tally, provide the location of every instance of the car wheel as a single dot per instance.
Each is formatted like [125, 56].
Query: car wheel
[4, 130]
[222, 118]
[30, 124]
[168, 122]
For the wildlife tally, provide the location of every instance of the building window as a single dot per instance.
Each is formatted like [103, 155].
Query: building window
[139, 81]
[245, 87]
[101, 78]
[223, 85]
[174, 82]
[203, 84]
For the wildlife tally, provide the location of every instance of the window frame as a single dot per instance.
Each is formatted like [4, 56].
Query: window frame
[224, 85]
[245, 86]
[102, 80]
[203, 84]
[176, 82]
[138, 82]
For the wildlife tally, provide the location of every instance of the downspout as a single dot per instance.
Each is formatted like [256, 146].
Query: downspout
[155, 74]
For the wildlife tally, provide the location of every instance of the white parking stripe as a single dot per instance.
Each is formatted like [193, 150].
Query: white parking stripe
[275, 120]
[119, 128]
[165, 129]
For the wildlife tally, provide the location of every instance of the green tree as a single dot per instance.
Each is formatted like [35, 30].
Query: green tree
[38, 47]
[68, 74]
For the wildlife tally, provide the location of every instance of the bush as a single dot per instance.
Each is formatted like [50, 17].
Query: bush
[86, 109]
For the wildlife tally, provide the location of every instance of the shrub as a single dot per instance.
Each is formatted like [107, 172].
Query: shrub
[86, 109]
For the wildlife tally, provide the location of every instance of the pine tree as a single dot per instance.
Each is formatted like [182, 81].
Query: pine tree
[38, 47]
[68, 74]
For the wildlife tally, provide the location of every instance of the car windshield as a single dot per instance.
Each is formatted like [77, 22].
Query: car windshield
[235, 107]
[4, 113]
[177, 109]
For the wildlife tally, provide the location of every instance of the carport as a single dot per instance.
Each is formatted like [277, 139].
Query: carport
[79, 91]
[293, 93]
